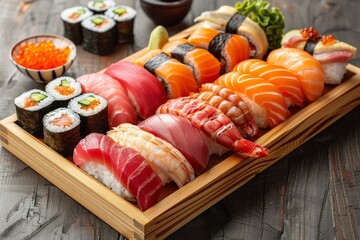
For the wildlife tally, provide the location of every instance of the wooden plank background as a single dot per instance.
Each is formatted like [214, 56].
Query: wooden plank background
[313, 193]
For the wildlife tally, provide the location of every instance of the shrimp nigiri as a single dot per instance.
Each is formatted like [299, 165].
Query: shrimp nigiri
[305, 67]
[259, 91]
[214, 123]
[281, 77]
[165, 159]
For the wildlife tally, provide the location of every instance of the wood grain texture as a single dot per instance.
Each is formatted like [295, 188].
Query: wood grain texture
[324, 172]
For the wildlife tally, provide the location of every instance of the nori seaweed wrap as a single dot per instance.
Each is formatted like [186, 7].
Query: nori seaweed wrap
[62, 130]
[99, 34]
[93, 111]
[72, 18]
[124, 17]
[31, 107]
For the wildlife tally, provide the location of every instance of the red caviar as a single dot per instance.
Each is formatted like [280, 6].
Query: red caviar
[42, 55]
[328, 40]
[309, 33]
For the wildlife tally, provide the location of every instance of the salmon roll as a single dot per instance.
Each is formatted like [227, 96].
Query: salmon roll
[62, 130]
[229, 49]
[205, 66]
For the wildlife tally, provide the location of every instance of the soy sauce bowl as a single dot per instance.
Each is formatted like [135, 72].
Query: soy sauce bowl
[44, 76]
[166, 12]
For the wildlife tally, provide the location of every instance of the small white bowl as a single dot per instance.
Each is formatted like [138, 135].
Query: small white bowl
[44, 76]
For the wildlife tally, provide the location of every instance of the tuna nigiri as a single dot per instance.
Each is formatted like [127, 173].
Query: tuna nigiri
[143, 89]
[281, 77]
[229, 49]
[176, 77]
[205, 66]
[214, 123]
[175, 130]
[259, 91]
[305, 67]
[120, 109]
[168, 162]
[122, 169]
[332, 54]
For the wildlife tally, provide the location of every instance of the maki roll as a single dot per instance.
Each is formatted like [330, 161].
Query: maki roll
[72, 18]
[124, 17]
[31, 107]
[93, 113]
[99, 34]
[63, 89]
[100, 6]
[62, 130]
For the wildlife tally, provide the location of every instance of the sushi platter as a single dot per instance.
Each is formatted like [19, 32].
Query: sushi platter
[179, 206]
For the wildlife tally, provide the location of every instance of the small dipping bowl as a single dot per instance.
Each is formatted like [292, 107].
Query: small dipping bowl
[166, 12]
[46, 75]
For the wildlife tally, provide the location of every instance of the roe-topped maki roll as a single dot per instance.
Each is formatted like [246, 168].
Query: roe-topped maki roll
[99, 34]
[72, 18]
[100, 6]
[31, 107]
[93, 112]
[62, 130]
[63, 89]
[124, 17]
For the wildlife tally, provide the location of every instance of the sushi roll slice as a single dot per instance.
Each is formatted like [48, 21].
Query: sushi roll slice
[93, 113]
[124, 17]
[100, 6]
[99, 34]
[72, 18]
[63, 89]
[31, 107]
[62, 130]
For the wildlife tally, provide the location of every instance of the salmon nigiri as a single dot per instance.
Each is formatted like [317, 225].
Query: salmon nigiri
[205, 66]
[228, 48]
[306, 68]
[259, 91]
[281, 77]
[176, 77]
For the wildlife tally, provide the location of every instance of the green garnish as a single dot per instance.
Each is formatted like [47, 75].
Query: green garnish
[87, 100]
[119, 11]
[37, 96]
[65, 83]
[270, 20]
[80, 11]
[99, 4]
[98, 20]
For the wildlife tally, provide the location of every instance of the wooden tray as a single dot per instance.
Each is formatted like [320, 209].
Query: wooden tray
[180, 206]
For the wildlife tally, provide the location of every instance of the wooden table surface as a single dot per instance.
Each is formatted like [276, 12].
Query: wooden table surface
[313, 193]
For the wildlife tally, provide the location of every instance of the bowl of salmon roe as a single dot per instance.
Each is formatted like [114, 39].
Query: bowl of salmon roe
[43, 58]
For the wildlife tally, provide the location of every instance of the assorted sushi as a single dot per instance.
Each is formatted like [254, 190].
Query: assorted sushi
[100, 6]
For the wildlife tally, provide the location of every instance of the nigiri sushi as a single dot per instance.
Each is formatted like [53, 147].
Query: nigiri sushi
[332, 54]
[235, 98]
[305, 67]
[122, 169]
[281, 77]
[176, 77]
[175, 130]
[228, 48]
[144, 90]
[227, 19]
[168, 162]
[259, 91]
[205, 66]
[214, 123]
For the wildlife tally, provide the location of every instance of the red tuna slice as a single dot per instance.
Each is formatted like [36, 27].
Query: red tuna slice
[120, 109]
[144, 89]
[179, 132]
[127, 166]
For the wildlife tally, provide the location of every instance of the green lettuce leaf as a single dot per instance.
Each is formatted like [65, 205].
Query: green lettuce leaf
[270, 20]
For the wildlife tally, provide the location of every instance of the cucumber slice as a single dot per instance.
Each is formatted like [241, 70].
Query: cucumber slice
[81, 11]
[119, 11]
[99, 4]
[97, 20]
[37, 96]
[87, 101]
[65, 83]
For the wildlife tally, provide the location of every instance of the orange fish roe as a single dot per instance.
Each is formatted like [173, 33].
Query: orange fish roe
[42, 55]
[309, 33]
[328, 40]
[92, 105]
